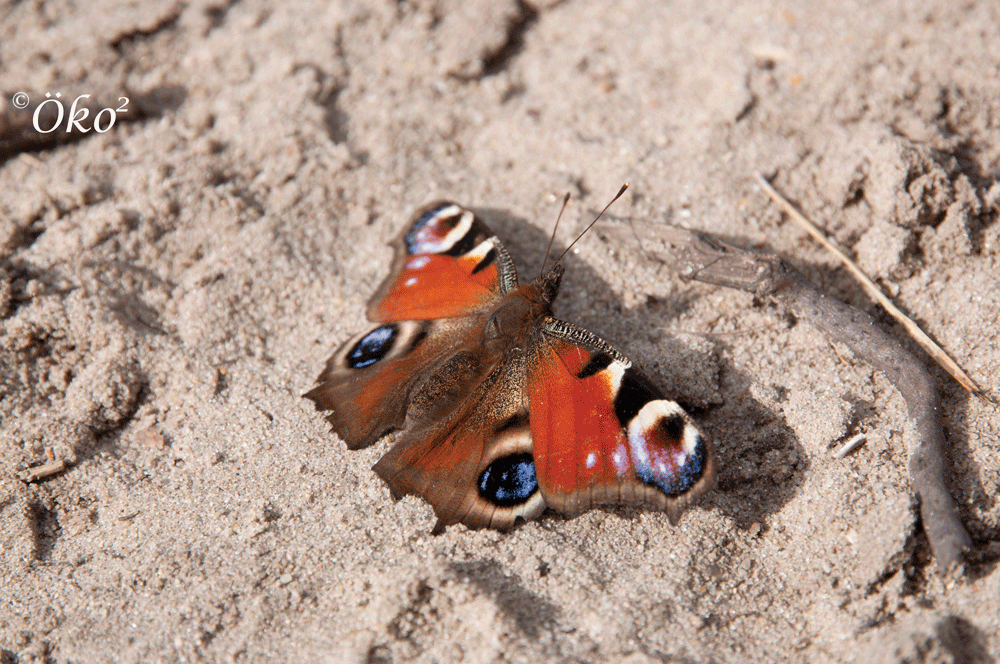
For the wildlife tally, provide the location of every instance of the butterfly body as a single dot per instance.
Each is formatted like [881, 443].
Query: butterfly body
[501, 409]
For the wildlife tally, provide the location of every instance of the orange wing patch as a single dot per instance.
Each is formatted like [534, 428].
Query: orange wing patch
[581, 453]
[442, 286]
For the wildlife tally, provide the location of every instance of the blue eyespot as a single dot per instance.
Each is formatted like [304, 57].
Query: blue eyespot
[372, 347]
[676, 480]
[509, 481]
[429, 233]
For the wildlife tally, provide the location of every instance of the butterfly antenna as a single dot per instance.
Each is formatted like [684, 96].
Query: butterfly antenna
[617, 196]
[552, 239]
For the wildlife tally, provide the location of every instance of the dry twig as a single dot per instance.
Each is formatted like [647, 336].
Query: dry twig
[41, 472]
[928, 344]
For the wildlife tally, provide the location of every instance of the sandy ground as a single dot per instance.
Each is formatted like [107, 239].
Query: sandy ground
[171, 287]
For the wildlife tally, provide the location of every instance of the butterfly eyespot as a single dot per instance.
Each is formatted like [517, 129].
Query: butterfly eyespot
[443, 229]
[372, 347]
[509, 480]
[676, 480]
[668, 452]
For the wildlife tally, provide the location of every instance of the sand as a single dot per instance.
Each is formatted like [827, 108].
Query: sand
[169, 289]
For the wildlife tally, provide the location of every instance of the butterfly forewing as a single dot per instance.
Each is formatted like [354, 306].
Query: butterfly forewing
[447, 264]
[603, 433]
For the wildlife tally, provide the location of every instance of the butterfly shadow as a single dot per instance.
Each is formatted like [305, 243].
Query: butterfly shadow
[759, 462]
[532, 614]
[734, 263]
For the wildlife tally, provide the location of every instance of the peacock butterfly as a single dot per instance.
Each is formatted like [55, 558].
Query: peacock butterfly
[501, 409]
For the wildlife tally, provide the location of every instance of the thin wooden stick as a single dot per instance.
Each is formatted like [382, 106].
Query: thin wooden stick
[928, 344]
[41, 472]
[850, 446]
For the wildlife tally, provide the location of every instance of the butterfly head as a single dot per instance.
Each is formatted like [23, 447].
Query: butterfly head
[518, 316]
[548, 283]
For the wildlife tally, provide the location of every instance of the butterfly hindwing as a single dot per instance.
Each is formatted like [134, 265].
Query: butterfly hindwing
[368, 383]
[474, 466]
[603, 433]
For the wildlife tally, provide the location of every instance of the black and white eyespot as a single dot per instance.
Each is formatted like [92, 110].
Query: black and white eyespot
[444, 229]
[385, 341]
